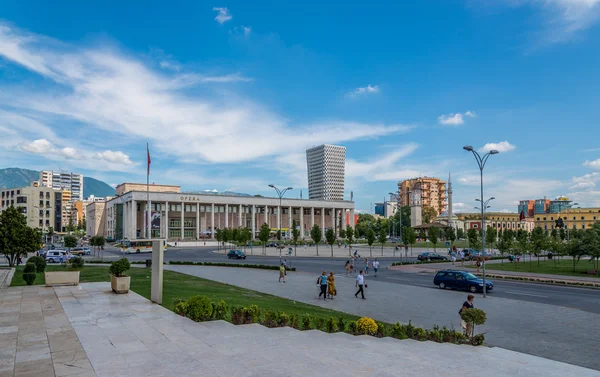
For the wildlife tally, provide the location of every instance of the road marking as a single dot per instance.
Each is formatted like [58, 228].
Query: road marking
[525, 294]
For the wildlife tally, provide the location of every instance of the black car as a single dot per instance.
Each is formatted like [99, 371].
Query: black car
[236, 254]
[427, 256]
[461, 280]
[272, 244]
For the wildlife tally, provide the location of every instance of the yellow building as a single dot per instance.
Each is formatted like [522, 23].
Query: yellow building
[573, 218]
[78, 211]
[496, 220]
[433, 192]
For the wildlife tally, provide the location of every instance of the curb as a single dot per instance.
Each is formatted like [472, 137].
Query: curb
[570, 283]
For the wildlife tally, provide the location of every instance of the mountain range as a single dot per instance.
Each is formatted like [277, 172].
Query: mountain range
[16, 177]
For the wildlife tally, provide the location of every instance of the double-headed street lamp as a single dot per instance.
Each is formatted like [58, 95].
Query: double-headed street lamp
[280, 193]
[481, 161]
[399, 198]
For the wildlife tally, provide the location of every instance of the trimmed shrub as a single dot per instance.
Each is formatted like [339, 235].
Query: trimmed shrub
[180, 306]
[199, 308]
[331, 325]
[381, 330]
[282, 319]
[270, 319]
[366, 326]
[478, 340]
[29, 274]
[251, 314]
[473, 317]
[76, 262]
[353, 327]
[294, 320]
[306, 319]
[237, 315]
[320, 323]
[341, 324]
[40, 263]
[117, 268]
[220, 310]
[398, 331]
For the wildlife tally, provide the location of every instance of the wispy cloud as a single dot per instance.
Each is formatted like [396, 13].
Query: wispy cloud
[363, 91]
[592, 150]
[595, 164]
[223, 16]
[455, 119]
[247, 30]
[503, 146]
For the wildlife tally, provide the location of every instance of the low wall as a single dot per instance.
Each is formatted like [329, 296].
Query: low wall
[54, 278]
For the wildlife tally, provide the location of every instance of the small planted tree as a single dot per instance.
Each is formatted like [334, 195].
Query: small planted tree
[433, 236]
[450, 235]
[473, 317]
[412, 238]
[350, 238]
[16, 238]
[473, 235]
[370, 239]
[295, 235]
[118, 268]
[460, 234]
[263, 235]
[490, 236]
[29, 273]
[70, 241]
[330, 237]
[539, 241]
[382, 238]
[316, 235]
[504, 244]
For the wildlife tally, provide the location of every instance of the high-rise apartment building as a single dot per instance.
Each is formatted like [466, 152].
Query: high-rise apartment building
[41, 205]
[527, 208]
[542, 206]
[61, 180]
[432, 191]
[326, 171]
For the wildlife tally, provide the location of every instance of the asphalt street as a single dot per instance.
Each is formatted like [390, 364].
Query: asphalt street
[583, 299]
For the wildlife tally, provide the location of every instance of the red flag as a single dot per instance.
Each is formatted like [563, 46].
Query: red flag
[149, 161]
[521, 217]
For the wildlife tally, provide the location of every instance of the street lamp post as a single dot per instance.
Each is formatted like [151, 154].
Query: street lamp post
[481, 161]
[280, 193]
[399, 198]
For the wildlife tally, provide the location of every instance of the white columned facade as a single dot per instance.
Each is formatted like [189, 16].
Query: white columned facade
[212, 221]
[279, 220]
[344, 219]
[290, 222]
[301, 222]
[240, 217]
[125, 220]
[253, 221]
[166, 236]
[333, 222]
[133, 219]
[312, 218]
[351, 218]
[267, 216]
[182, 217]
[197, 221]
[226, 215]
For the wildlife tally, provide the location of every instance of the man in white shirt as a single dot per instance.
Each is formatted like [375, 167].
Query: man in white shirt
[360, 282]
[376, 266]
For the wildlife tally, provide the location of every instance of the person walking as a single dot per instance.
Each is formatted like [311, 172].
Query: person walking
[478, 264]
[331, 286]
[453, 254]
[323, 283]
[347, 267]
[366, 266]
[360, 283]
[352, 269]
[375, 266]
[467, 327]
[282, 273]
[406, 249]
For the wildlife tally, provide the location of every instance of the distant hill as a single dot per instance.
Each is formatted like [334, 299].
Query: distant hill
[16, 177]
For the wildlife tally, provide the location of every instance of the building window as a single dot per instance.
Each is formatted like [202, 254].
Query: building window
[552, 218]
[544, 220]
[582, 218]
[21, 199]
[538, 219]
[583, 226]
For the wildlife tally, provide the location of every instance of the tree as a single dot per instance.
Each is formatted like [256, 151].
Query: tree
[575, 249]
[523, 246]
[412, 238]
[242, 236]
[370, 239]
[350, 238]
[504, 244]
[70, 241]
[342, 233]
[70, 225]
[539, 240]
[330, 237]
[433, 236]
[429, 214]
[219, 238]
[263, 235]
[554, 233]
[295, 235]
[490, 237]
[562, 234]
[422, 235]
[450, 235]
[382, 238]
[316, 234]
[474, 239]
[16, 238]
[591, 241]
[460, 233]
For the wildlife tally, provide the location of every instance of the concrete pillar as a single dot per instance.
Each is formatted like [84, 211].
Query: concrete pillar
[182, 217]
[312, 218]
[302, 223]
[333, 222]
[212, 221]
[240, 217]
[267, 216]
[253, 221]
[290, 222]
[279, 219]
[131, 218]
[157, 271]
[226, 215]
[197, 221]
[166, 235]
[352, 218]
[344, 219]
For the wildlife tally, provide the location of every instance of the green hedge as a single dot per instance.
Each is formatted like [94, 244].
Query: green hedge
[199, 308]
[223, 264]
[437, 261]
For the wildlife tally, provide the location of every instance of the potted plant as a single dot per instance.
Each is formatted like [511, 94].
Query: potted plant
[68, 276]
[119, 282]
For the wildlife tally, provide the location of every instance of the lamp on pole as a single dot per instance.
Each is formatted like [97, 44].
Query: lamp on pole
[280, 193]
[399, 198]
[481, 161]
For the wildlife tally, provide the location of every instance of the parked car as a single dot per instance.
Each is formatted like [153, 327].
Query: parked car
[462, 280]
[428, 256]
[87, 251]
[79, 251]
[236, 254]
[272, 244]
[54, 256]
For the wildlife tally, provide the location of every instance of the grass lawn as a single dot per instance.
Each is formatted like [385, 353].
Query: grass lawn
[557, 267]
[178, 285]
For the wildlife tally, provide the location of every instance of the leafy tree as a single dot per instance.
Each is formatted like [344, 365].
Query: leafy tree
[219, 237]
[522, 246]
[460, 233]
[350, 238]
[429, 214]
[412, 238]
[474, 239]
[70, 241]
[405, 236]
[422, 235]
[562, 234]
[342, 233]
[70, 225]
[263, 235]
[316, 234]
[433, 236]
[490, 236]
[450, 235]
[539, 240]
[295, 235]
[330, 237]
[591, 240]
[504, 244]
[365, 217]
[499, 231]
[554, 233]
[370, 239]
[278, 234]
[16, 238]
[242, 236]
[382, 238]
[575, 248]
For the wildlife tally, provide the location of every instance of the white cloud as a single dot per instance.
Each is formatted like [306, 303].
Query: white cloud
[168, 64]
[247, 30]
[124, 99]
[455, 119]
[475, 179]
[505, 210]
[116, 157]
[583, 185]
[70, 153]
[458, 206]
[503, 146]
[39, 146]
[223, 16]
[593, 164]
[362, 91]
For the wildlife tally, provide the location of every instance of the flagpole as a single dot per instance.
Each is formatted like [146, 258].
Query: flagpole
[148, 210]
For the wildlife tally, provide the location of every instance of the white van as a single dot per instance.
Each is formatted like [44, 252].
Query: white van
[54, 256]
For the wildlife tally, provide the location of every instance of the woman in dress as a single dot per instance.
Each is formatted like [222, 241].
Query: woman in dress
[331, 286]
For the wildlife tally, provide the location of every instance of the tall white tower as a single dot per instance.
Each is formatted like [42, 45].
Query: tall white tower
[416, 206]
[326, 172]
[450, 224]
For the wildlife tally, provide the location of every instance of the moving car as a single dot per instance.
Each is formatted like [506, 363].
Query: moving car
[78, 251]
[463, 280]
[236, 254]
[54, 256]
[427, 256]
[272, 244]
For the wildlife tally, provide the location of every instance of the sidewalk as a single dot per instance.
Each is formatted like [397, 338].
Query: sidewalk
[338, 252]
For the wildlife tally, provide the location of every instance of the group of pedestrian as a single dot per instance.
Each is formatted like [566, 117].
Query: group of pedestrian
[327, 285]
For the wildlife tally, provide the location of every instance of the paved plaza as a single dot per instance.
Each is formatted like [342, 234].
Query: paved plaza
[89, 331]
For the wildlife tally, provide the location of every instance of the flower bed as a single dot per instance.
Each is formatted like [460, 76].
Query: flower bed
[200, 308]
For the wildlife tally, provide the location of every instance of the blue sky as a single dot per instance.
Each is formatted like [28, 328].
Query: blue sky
[230, 94]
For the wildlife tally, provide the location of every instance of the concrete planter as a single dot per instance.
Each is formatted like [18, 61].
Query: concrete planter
[54, 278]
[120, 284]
